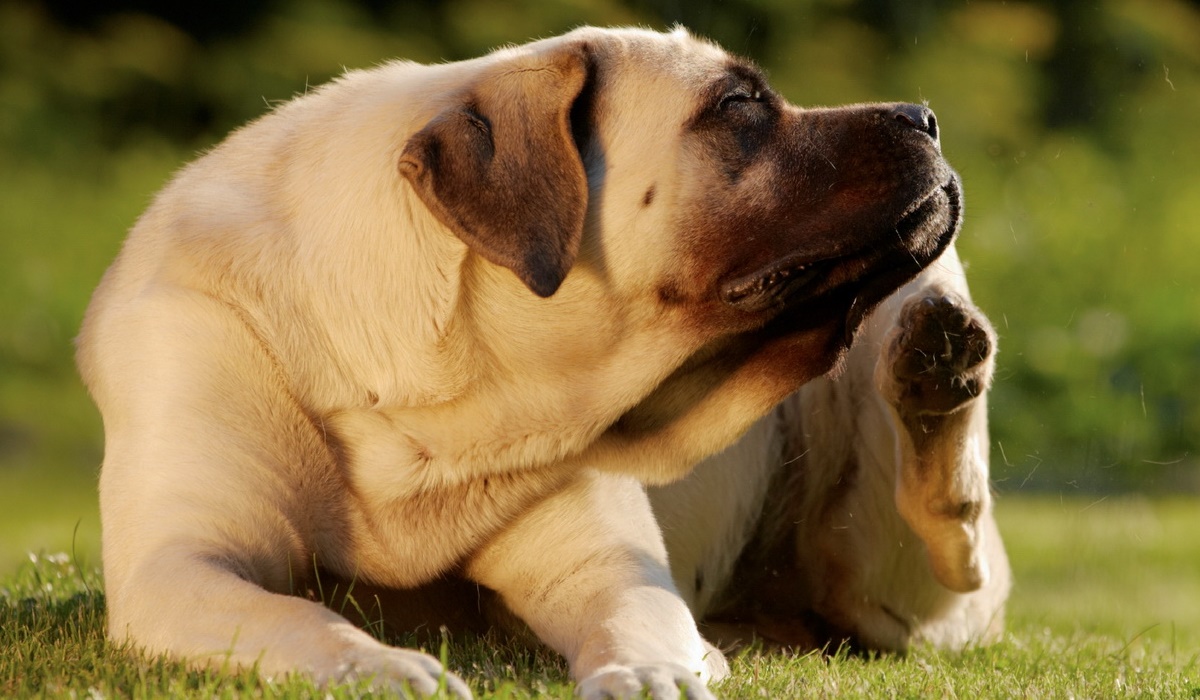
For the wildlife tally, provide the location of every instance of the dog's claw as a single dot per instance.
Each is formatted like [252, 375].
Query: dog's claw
[411, 673]
[659, 682]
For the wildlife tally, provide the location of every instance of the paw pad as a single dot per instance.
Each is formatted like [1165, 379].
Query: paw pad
[938, 355]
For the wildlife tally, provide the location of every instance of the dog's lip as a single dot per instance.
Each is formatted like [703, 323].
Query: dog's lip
[866, 300]
[775, 284]
[799, 276]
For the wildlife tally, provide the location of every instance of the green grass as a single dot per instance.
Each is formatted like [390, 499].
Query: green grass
[1106, 605]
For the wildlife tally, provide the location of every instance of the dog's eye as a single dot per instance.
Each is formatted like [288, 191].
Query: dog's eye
[478, 121]
[742, 96]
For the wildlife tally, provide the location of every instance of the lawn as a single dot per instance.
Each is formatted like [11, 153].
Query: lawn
[1107, 604]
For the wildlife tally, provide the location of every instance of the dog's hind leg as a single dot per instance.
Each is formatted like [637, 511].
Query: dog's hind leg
[935, 367]
[586, 569]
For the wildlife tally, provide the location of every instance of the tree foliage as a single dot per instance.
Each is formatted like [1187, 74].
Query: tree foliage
[1073, 124]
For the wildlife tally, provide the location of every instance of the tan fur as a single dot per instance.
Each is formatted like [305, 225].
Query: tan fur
[435, 319]
[831, 520]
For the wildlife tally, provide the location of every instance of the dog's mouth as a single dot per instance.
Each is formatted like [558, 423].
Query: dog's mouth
[777, 285]
[891, 259]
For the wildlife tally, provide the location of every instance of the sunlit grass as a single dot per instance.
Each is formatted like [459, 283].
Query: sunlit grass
[47, 513]
[1107, 605]
[1124, 567]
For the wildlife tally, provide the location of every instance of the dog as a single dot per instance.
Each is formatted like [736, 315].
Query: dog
[859, 510]
[449, 319]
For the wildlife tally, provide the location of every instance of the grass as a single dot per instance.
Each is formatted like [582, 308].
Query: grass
[1107, 605]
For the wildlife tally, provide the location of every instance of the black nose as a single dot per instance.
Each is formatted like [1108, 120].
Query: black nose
[918, 117]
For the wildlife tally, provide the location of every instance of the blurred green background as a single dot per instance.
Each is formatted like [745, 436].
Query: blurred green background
[1075, 125]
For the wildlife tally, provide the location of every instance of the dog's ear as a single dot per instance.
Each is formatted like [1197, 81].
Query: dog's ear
[502, 170]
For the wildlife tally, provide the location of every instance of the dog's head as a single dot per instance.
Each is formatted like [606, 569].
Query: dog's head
[670, 171]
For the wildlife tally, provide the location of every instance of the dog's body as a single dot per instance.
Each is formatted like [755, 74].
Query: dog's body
[347, 336]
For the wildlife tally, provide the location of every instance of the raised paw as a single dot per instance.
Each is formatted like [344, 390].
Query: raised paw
[939, 356]
[658, 681]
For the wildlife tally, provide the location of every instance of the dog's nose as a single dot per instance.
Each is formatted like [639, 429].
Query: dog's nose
[918, 117]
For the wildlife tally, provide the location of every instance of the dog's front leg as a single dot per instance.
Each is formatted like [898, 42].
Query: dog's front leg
[198, 607]
[586, 569]
[212, 485]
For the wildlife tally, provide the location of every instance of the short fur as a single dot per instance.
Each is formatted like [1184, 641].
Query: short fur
[859, 510]
[427, 319]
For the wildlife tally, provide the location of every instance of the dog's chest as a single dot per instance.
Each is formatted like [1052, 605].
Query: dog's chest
[410, 526]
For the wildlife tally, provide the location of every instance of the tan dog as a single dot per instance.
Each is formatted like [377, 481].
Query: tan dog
[442, 319]
[859, 510]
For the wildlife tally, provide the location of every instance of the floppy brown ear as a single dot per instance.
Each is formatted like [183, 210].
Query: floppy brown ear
[501, 168]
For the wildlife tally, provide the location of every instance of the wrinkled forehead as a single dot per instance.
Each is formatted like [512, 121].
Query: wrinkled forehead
[678, 53]
[658, 62]
[653, 82]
